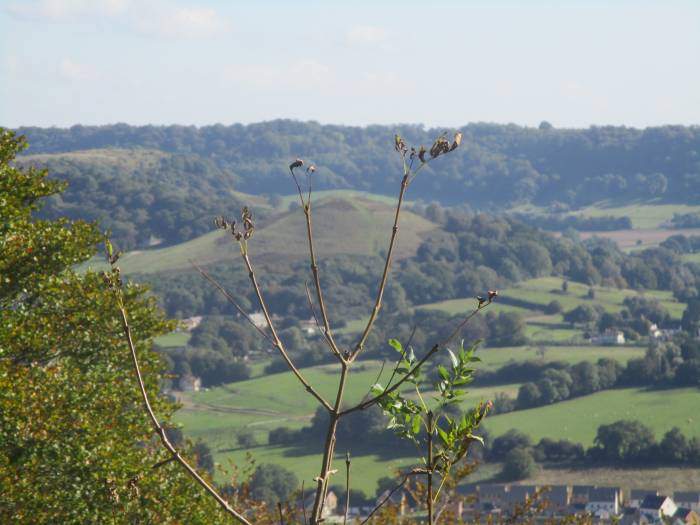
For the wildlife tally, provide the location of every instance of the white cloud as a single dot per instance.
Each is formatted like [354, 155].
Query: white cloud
[300, 75]
[366, 35]
[73, 71]
[183, 22]
[147, 17]
[67, 10]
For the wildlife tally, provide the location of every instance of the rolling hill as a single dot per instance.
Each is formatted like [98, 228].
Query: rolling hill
[353, 226]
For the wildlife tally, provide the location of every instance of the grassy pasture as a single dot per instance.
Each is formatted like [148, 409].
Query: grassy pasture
[270, 401]
[666, 479]
[173, 339]
[545, 289]
[540, 292]
[341, 226]
[692, 257]
[644, 215]
[578, 419]
[639, 239]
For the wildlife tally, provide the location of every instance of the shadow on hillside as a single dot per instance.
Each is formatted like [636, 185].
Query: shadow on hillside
[383, 451]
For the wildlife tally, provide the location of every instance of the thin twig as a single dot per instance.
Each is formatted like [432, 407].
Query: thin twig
[379, 375]
[164, 462]
[387, 498]
[303, 503]
[389, 390]
[317, 284]
[323, 478]
[398, 363]
[276, 340]
[279, 510]
[231, 300]
[385, 273]
[433, 350]
[160, 430]
[347, 487]
[429, 498]
[313, 312]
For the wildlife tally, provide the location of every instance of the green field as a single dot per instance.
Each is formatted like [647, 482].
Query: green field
[341, 226]
[578, 419]
[174, 339]
[692, 257]
[643, 214]
[539, 293]
[648, 214]
[543, 290]
[270, 401]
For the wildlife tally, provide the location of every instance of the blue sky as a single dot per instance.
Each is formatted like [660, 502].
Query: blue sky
[440, 63]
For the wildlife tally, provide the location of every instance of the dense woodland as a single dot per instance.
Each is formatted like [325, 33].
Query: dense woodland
[490, 252]
[497, 167]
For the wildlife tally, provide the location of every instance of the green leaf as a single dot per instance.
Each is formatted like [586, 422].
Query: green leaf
[396, 345]
[443, 372]
[411, 355]
[416, 424]
[453, 358]
[444, 436]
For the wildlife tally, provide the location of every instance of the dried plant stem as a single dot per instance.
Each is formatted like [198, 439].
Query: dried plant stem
[160, 430]
[428, 355]
[347, 487]
[231, 300]
[328, 333]
[328, 448]
[385, 274]
[396, 385]
[276, 340]
[387, 498]
[429, 497]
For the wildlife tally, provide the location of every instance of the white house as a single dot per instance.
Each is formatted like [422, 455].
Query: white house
[604, 502]
[638, 495]
[190, 323]
[189, 383]
[655, 508]
[609, 337]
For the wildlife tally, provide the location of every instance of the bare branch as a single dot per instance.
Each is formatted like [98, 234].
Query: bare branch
[303, 502]
[317, 284]
[433, 350]
[160, 430]
[276, 340]
[313, 312]
[388, 497]
[329, 446]
[385, 274]
[396, 385]
[231, 300]
[347, 487]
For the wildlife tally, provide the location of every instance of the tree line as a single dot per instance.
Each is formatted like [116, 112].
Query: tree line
[498, 165]
[626, 443]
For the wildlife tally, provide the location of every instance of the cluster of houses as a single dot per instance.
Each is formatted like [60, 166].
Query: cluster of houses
[616, 337]
[604, 504]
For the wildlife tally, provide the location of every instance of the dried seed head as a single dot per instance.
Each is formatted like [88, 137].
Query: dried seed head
[493, 294]
[400, 145]
[248, 226]
[296, 164]
[440, 146]
[221, 223]
[421, 153]
[311, 169]
[457, 141]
